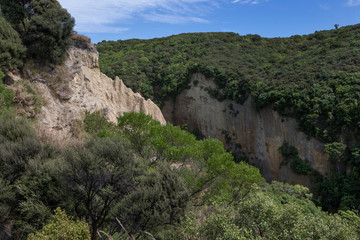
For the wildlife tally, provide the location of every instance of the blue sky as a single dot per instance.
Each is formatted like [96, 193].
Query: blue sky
[145, 19]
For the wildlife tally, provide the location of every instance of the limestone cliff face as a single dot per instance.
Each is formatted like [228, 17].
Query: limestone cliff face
[256, 134]
[82, 87]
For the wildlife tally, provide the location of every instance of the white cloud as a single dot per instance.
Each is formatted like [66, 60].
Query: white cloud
[108, 16]
[173, 19]
[252, 2]
[353, 3]
[104, 15]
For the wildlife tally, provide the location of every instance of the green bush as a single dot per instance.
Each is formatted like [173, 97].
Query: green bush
[62, 227]
[290, 154]
[18, 144]
[299, 166]
[6, 95]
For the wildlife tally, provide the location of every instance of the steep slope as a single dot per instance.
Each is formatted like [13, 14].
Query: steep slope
[79, 87]
[255, 135]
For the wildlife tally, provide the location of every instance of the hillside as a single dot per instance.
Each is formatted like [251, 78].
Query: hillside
[84, 157]
[314, 78]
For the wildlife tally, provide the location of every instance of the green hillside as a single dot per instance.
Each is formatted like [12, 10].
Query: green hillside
[139, 179]
[314, 78]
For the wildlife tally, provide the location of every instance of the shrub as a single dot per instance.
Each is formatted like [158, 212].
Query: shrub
[299, 166]
[6, 95]
[80, 38]
[63, 227]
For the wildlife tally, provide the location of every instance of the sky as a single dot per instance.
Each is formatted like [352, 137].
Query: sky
[146, 19]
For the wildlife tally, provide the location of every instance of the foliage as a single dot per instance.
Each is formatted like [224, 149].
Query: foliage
[270, 219]
[96, 124]
[48, 31]
[6, 95]
[184, 189]
[138, 129]
[215, 166]
[44, 27]
[263, 215]
[28, 184]
[335, 150]
[314, 77]
[290, 154]
[17, 146]
[288, 151]
[159, 200]
[16, 13]
[96, 177]
[12, 50]
[300, 167]
[62, 227]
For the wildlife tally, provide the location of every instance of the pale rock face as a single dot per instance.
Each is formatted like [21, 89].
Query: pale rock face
[88, 90]
[258, 134]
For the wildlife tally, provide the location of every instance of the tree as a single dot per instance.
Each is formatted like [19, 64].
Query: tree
[138, 128]
[336, 151]
[44, 26]
[16, 12]
[96, 177]
[48, 31]
[12, 50]
[159, 200]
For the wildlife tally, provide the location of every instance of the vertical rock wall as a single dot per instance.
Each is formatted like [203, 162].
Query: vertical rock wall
[255, 134]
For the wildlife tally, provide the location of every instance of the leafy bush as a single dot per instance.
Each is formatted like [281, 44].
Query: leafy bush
[299, 166]
[18, 145]
[290, 154]
[6, 95]
[62, 227]
[288, 151]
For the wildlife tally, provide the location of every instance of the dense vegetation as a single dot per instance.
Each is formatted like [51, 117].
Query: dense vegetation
[314, 78]
[42, 28]
[139, 179]
[12, 50]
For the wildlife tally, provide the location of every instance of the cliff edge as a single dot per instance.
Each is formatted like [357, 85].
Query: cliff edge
[78, 86]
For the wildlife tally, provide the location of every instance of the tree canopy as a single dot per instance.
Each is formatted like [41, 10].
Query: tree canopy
[313, 78]
[12, 50]
[43, 25]
[182, 188]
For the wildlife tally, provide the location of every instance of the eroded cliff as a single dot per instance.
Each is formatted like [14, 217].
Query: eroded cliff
[79, 86]
[255, 134]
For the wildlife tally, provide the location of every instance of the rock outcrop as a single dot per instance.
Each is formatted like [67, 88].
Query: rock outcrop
[80, 87]
[256, 134]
